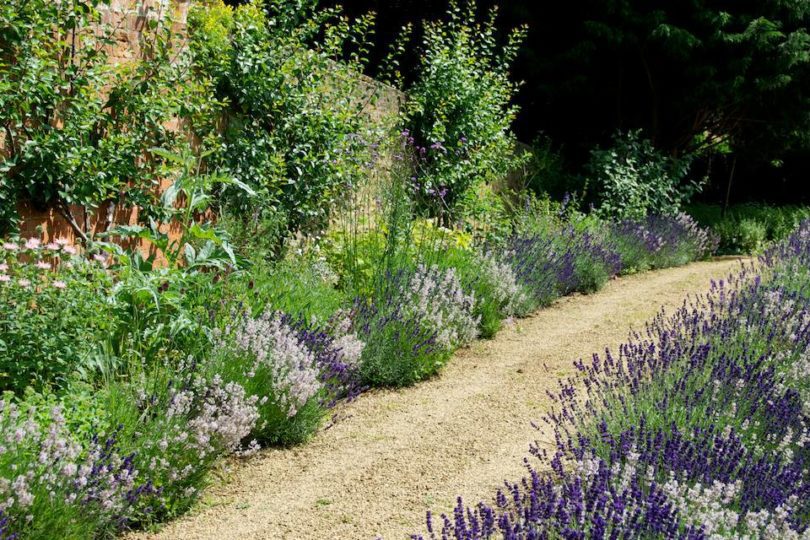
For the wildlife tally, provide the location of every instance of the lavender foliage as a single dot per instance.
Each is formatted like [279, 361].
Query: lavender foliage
[698, 428]
[660, 241]
[407, 335]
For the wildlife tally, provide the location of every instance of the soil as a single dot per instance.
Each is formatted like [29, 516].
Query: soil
[393, 455]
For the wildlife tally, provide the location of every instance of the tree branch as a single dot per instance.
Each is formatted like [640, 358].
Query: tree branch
[64, 210]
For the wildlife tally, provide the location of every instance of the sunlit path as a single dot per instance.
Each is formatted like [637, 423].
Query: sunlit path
[394, 455]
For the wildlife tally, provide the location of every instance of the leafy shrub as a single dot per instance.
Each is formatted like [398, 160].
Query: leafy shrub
[633, 179]
[743, 236]
[512, 299]
[304, 288]
[485, 214]
[459, 113]
[746, 228]
[289, 76]
[498, 295]
[594, 263]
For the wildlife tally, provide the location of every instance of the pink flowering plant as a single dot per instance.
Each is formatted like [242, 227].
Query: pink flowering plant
[52, 311]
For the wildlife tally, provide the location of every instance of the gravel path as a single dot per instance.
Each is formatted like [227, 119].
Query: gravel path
[394, 455]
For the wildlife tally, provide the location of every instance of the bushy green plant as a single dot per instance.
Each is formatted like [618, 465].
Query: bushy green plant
[266, 356]
[488, 306]
[399, 351]
[743, 235]
[632, 179]
[100, 460]
[590, 273]
[54, 314]
[484, 213]
[196, 243]
[460, 112]
[745, 228]
[293, 127]
[305, 288]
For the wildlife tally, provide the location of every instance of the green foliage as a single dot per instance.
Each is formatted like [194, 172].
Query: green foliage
[183, 206]
[302, 288]
[546, 171]
[78, 128]
[293, 126]
[484, 213]
[591, 274]
[744, 235]
[460, 112]
[397, 354]
[489, 308]
[748, 228]
[632, 179]
[276, 427]
[53, 318]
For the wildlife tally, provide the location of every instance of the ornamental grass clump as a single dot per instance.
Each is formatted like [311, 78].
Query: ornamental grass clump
[697, 428]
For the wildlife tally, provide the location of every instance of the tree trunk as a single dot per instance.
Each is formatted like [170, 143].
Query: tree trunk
[728, 188]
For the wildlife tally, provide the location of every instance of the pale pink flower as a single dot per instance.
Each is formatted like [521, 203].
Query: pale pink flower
[3, 267]
[11, 246]
[59, 284]
[4, 278]
[32, 243]
[42, 265]
[98, 257]
[61, 242]
[53, 246]
[70, 250]
[24, 283]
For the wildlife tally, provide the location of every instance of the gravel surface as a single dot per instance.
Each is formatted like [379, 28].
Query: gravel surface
[392, 455]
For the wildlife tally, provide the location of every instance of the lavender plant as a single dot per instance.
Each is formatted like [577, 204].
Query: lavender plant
[399, 351]
[697, 429]
[660, 241]
[293, 372]
[435, 298]
[132, 453]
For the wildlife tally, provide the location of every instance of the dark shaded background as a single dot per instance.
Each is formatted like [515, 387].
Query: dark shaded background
[579, 92]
